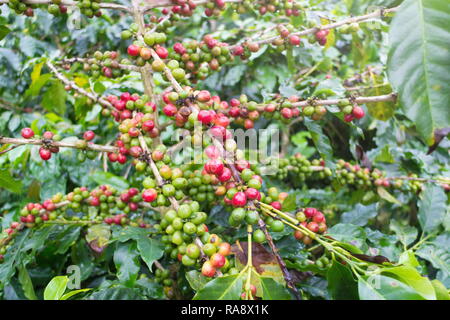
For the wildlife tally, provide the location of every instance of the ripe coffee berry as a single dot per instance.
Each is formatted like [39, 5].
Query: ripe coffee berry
[149, 195]
[217, 260]
[89, 135]
[208, 269]
[27, 133]
[239, 199]
[45, 154]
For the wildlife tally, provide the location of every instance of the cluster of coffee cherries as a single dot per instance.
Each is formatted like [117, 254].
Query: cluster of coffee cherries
[103, 204]
[140, 51]
[350, 110]
[106, 64]
[214, 7]
[350, 28]
[182, 7]
[299, 166]
[20, 7]
[285, 7]
[163, 277]
[217, 251]
[321, 36]
[245, 112]
[89, 8]
[312, 219]
[180, 229]
[199, 59]
[47, 148]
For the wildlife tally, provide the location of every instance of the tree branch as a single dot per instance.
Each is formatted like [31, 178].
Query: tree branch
[90, 146]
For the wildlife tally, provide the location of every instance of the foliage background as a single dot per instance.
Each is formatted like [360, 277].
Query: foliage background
[31, 97]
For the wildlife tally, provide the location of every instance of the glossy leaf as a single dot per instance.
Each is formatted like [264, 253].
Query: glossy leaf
[417, 61]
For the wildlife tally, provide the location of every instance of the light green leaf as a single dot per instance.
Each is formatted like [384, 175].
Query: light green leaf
[196, 279]
[56, 288]
[384, 288]
[419, 38]
[27, 284]
[432, 207]
[222, 288]
[272, 290]
[341, 284]
[150, 250]
[412, 278]
[72, 293]
[127, 263]
[384, 194]
[8, 182]
[54, 99]
[441, 291]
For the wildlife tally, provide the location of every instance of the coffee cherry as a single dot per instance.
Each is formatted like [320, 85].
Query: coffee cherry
[89, 135]
[193, 251]
[239, 199]
[259, 236]
[217, 260]
[27, 133]
[224, 249]
[294, 40]
[149, 195]
[208, 270]
[45, 154]
[133, 50]
[358, 112]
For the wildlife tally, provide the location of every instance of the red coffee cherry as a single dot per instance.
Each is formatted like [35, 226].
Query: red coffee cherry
[217, 260]
[358, 112]
[133, 50]
[89, 135]
[149, 195]
[208, 269]
[27, 133]
[45, 154]
[239, 199]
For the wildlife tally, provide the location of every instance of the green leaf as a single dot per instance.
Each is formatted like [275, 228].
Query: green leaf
[273, 290]
[56, 288]
[54, 99]
[384, 194]
[406, 234]
[8, 182]
[117, 293]
[438, 255]
[384, 288]
[13, 257]
[441, 291]
[27, 284]
[360, 215]
[321, 142]
[412, 278]
[417, 61]
[348, 233]
[127, 263]
[150, 250]
[107, 178]
[72, 293]
[37, 85]
[222, 288]
[290, 203]
[4, 30]
[341, 284]
[196, 279]
[432, 207]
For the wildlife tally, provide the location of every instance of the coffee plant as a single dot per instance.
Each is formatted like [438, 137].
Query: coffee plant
[128, 163]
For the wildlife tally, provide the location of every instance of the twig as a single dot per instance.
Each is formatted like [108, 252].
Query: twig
[90, 146]
[66, 81]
